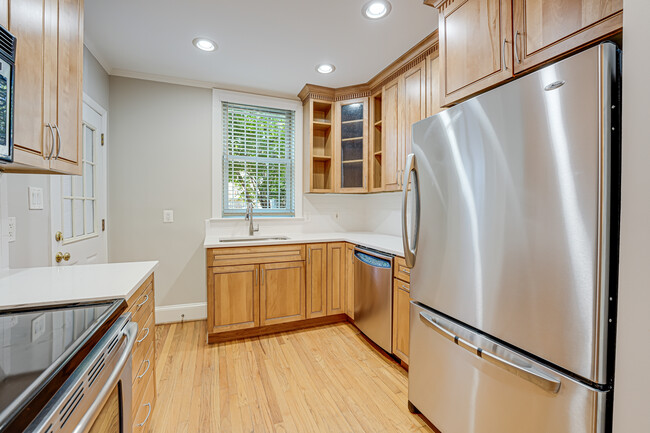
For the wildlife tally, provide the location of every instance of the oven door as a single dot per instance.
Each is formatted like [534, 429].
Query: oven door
[97, 396]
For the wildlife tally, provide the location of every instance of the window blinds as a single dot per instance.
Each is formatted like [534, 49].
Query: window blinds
[258, 160]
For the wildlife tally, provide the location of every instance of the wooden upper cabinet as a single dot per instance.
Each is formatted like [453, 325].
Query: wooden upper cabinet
[4, 13]
[545, 29]
[66, 114]
[352, 145]
[336, 278]
[433, 85]
[282, 292]
[48, 85]
[391, 103]
[33, 141]
[475, 46]
[233, 298]
[316, 280]
[414, 106]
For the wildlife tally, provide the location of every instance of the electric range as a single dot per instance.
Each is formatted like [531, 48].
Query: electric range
[40, 348]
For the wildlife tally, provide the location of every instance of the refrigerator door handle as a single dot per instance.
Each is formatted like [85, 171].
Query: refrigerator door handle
[526, 372]
[410, 248]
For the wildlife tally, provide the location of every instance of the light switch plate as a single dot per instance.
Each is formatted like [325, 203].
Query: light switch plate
[11, 229]
[168, 216]
[35, 198]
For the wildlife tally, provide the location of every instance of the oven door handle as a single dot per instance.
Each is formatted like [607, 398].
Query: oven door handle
[129, 333]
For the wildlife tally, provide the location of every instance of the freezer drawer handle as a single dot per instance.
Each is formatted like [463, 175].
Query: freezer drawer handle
[546, 382]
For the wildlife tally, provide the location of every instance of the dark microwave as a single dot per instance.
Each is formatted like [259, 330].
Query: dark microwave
[7, 71]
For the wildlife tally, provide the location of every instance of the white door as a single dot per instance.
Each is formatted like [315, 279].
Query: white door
[79, 202]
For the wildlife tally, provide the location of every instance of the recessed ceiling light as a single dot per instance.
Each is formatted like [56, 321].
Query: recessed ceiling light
[376, 9]
[325, 68]
[204, 44]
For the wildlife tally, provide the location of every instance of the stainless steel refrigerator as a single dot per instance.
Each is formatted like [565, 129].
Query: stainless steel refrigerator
[510, 225]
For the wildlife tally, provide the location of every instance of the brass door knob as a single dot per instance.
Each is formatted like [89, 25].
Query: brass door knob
[58, 236]
[61, 256]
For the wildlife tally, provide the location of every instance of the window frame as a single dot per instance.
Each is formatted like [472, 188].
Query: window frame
[218, 97]
[83, 197]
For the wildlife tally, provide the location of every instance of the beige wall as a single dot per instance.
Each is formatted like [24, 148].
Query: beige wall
[632, 381]
[159, 157]
[95, 81]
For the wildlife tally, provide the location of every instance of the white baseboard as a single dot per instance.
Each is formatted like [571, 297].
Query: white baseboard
[174, 313]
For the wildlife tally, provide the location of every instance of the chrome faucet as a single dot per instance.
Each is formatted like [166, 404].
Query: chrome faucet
[249, 217]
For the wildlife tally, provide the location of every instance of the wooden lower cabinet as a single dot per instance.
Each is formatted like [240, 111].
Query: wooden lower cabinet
[233, 298]
[264, 289]
[143, 391]
[401, 305]
[349, 280]
[336, 278]
[316, 280]
[282, 292]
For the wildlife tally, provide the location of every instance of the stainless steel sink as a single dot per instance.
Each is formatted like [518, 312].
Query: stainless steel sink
[253, 238]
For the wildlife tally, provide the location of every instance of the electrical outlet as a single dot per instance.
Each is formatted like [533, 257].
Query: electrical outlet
[11, 229]
[35, 198]
[168, 216]
[38, 327]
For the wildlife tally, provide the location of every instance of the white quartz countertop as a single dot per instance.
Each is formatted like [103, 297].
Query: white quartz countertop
[63, 284]
[387, 243]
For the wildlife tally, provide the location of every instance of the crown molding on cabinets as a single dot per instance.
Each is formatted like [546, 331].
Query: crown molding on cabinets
[413, 56]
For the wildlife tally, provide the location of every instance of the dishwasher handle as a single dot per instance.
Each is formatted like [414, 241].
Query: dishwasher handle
[373, 258]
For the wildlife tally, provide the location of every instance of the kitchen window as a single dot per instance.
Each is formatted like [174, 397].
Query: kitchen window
[259, 156]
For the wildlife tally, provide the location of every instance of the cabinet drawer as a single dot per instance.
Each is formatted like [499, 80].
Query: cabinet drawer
[138, 296]
[143, 308]
[145, 339]
[399, 284]
[141, 377]
[402, 271]
[255, 255]
[142, 417]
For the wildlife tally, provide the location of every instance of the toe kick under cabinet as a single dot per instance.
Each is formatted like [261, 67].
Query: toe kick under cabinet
[143, 394]
[259, 290]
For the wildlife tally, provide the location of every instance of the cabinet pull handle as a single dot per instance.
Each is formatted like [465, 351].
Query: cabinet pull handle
[404, 287]
[145, 336]
[145, 372]
[255, 274]
[262, 276]
[308, 255]
[58, 148]
[146, 298]
[515, 47]
[147, 418]
[503, 52]
[53, 141]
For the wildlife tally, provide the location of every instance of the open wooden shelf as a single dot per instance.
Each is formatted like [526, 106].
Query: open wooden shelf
[322, 158]
[321, 125]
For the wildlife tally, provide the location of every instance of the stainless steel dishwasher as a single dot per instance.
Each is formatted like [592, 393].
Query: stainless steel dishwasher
[373, 295]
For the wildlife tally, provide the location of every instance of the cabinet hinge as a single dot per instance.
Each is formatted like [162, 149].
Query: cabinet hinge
[102, 138]
[103, 225]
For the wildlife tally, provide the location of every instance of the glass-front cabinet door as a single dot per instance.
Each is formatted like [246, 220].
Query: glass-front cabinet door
[352, 134]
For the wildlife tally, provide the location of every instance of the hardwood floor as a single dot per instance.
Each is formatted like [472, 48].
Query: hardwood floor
[326, 379]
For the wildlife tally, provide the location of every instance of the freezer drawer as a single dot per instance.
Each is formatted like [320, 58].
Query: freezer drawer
[502, 391]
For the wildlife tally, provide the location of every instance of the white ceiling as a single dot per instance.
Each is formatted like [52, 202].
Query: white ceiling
[265, 46]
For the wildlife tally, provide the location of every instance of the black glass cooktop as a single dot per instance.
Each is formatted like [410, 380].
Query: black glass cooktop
[38, 347]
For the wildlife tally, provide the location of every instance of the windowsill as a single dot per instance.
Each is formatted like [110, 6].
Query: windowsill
[258, 218]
